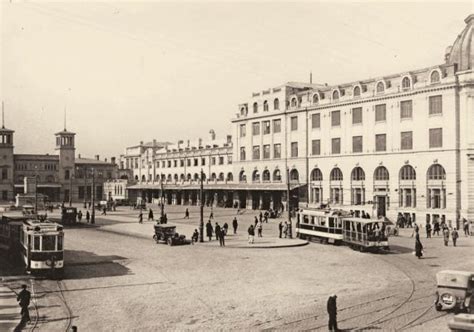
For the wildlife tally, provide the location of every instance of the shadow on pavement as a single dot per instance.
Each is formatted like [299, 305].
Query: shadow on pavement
[82, 264]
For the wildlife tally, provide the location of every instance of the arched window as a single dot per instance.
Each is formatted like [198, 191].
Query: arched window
[407, 173]
[358, 174]
[276, 175]
[204, 176]
[380, 87]
[436, 172]
[243, 111]
[336, 174]
[357, 91]
[293, 102]
[213, 176]
[136, 177]
[189, 177]
[316, 175]
[266, 175]
[255, 107]
[221, 177]
[230, 177]
[381, 174]
[242, 176]
[176, 177]
[255, 176]
[315, 98]
[335, 95]
[169, 178]
[406, 83]
[196, 177]
[67, 174]
[435, 77]
[265, 106]
[294, 175]
[276, 104]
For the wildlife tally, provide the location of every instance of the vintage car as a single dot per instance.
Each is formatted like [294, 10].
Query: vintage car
[455, 290]
[168, 234]
[462, 322]
[68, 215]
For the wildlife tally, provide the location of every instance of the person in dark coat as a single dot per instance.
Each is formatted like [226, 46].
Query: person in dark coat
[165, 219]
[260, 217]
[428, 230]
[88, 216]
[150, 215]
[418, 246]
[280, 229]
[454, 235]
[332, 311]
[217, 230]
[235, 224]
[79, 216]
[195, 236]
[221, 236]
[186, 214]
[256, 221]
[436, 227]
[209, 230]
[140, 217]
[225, 228]
[24, 301]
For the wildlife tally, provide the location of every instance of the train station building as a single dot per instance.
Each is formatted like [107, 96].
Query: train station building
[388, 145]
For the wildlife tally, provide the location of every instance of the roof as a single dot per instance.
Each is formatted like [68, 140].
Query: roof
[462, 53]
[91, 161]
[5, 130]
[363, 221]
[65, 132]
[303, 85]
[50, 157]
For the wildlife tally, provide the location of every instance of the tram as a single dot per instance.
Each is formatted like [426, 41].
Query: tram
[340, 227]
[36, 244]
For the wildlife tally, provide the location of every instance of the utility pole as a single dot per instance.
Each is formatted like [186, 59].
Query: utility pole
[93, 197]
[162, 201]
[288, 201]
[36, 190]
[201, 216]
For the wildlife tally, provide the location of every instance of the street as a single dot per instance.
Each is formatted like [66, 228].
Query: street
[115, 281]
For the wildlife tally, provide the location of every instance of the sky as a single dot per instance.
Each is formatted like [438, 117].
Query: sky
[127, 72]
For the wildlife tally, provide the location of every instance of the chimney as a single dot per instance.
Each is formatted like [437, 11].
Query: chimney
[141, 142]
[97, 157]
[229, 139]
[200, 142]
[213, 134]
[112, 160]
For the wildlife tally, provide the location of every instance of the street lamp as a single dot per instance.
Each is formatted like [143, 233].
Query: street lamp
[201, 216]
[36, 189]
[93, 197]
[70, 189]
[162, 201]
[288, 200]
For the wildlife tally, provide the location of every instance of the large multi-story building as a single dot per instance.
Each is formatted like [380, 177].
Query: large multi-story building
[389, 145]
[60, 176]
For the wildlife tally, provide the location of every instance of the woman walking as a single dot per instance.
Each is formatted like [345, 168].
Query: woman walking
[418, 246]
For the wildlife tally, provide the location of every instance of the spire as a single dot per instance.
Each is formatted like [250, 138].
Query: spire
[65, 118]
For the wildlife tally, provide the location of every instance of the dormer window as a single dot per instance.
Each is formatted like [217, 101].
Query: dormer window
[255, 107]
[357, 91]
[380, 87]
[435, 77]
[406, 83]
[315, 98]
[335, 95]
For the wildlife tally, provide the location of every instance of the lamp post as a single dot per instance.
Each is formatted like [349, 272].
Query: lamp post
[36, 189]
[162, 201]
[288, 201]
[201, 215]
[93, 197]
[70, 190]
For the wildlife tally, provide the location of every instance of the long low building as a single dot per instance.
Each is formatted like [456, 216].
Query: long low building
[390, 145]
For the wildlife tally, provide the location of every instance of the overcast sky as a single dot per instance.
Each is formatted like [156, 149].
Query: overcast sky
[128, 72]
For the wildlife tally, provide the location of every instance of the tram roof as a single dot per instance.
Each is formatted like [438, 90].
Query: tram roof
[365, 221]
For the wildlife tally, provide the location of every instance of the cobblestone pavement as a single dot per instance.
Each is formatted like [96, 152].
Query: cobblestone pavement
[127, 283]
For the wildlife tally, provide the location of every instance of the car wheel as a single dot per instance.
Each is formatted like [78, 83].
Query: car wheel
[438, 307]
[170, 242]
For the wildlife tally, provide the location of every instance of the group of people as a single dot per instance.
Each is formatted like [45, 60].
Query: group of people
[219, 231]
[151, 217]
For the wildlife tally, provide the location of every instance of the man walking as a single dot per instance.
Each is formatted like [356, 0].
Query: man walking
[140, 217]
[285, 229]
[186, 214]
[88, 216]
[446, 236]
[259, 229]
[280, 229]
[332, 311]
[209, 230]
[221, 236]
[24, 300]
[217, 229]
[150, 215]
[454, 235]
[235, 224]
[251, 232]
[465, 226]
[428, 230]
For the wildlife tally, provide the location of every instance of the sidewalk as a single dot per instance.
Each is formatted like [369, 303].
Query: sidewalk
[9, 310]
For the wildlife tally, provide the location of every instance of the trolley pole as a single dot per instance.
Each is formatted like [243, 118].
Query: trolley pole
[93, 197]
[290, 233]
[201, 215]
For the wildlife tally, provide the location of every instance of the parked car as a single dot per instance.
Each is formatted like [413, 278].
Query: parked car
[168, 234]
[455, 290]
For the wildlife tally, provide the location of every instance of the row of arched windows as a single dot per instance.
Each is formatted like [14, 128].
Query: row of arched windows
[407, 172]
[276, 106]
[196, 177]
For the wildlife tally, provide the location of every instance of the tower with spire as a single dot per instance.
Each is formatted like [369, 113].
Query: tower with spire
[6, 161]
[65, 148]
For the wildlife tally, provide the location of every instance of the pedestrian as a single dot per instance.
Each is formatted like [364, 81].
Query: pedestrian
[265, 216]
[280, 229]
[235, 224]
[465, 226]
[186, 214]
[416, 229]
[217, 229]
[418, 246]
[428, 230]
[454, 235]
[195, 236]
[251, 232]
[285, 229]
[221, 237]
[256, 221]
[88, 216]
[89, 203]
[259, 229]
[211, 216]
[104, 211]
[436, 228]
[332, 312]
[165, 218]
[140, 217]
[79, 216]
[446, 236]
[24, 301]
[209, 230]
[150, 215]
[226, 228]
[260, 216]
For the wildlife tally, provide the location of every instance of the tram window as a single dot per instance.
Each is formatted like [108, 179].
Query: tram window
[49, 243]
[305, 219]
[339, 223]
[312, 220]
[36, 243]
[331, 222]
[359, 228]
[323, 221]
[60, 242]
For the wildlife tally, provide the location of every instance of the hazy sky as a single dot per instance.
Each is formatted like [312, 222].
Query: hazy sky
[136, 71]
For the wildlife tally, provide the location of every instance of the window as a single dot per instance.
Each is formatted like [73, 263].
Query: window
[229, 160]
[60, 242]
[357, 91]
[407, 173]
[36, 243]
[256, 176]
[335, 95]
[436, 172]
[230, 177]
[357, 115]
[406, 140]
[336, 195]
[188, 162]
[380, 112]
[357, 144]
[293, 102]
[242, 153]
[203, 161]
[67, 174]
[4, 173]
[169, 163]
[266, 175]
[266, 151]
[163, 163]
[266, 127]
[196, 162]
[380, 87]
[406, 83]
[243, 110]
[276, 104]
[335, 118]
[294, 175]
[406, 109]
[380, 142]
[255, 107]
[336, 146]
[256, 152]
[265, 106]
[436, 138]
[181, 163]
[336, 174]
[175, 163]
[436, 198]
[277, 175]
[316, 121]
[436, 105]
[256, 128]
[294, 149]
[316, 175]
[294, 123]
[242, 130]
[316, 147]
[358, 174]
[435, 77]
[221, 160]
[5, 195]
[276, 126]
[381, 174]
[276, 151]
[315, 99]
